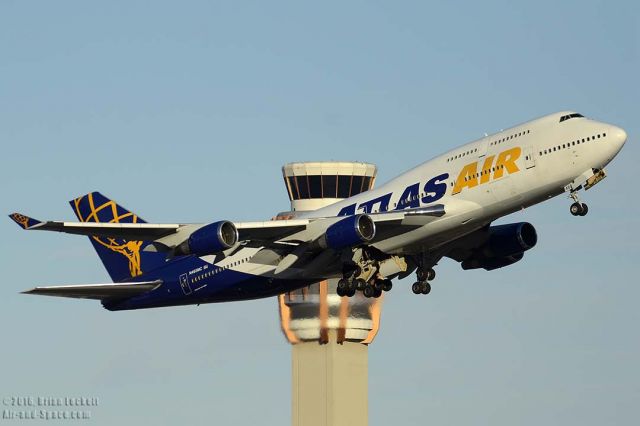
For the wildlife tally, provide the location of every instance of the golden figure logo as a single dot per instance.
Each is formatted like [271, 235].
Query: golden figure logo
[129, 249]
[22, 220]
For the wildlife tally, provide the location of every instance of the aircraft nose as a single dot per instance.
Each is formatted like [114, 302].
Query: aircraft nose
[619, 134]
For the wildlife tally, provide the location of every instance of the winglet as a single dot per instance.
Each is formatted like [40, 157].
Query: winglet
[25, 222]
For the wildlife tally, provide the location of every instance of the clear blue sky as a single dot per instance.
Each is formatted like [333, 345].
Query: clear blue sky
[185, 111]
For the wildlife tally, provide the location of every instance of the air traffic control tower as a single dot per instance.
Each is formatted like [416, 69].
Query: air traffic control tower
[329, 334]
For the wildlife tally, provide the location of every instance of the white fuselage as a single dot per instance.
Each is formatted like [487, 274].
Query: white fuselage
[491, 177]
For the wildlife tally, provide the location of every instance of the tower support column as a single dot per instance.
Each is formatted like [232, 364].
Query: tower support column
[329, 384]
[329, 334]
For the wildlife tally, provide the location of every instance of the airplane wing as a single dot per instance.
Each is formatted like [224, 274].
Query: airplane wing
[290, 231]
[125, 231]
[306, 230]
[97, 291]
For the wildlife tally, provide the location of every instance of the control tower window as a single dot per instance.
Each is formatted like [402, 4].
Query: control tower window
[344, 186]
[294, 189]
[367, 183]
[303, 187]
[356, 185]
[315, 186]
[329, 186]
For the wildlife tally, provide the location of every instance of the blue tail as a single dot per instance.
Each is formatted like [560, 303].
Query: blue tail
[123, 259]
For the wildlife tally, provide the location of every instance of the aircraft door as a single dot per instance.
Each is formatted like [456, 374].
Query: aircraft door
[184, 284]
[484, 146]
[529, 157]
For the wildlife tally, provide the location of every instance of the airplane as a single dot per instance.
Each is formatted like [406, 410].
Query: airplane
[442, 208]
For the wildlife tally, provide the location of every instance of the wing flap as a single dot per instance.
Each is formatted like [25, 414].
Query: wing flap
[272, 230]
[394, 223]
[96, 291]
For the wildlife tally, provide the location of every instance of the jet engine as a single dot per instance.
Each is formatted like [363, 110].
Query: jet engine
[349, 232]
[491, 263]
[505, 246]
[212, 238]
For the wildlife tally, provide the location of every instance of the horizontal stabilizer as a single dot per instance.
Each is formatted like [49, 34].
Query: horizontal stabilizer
[97, 291]
[25, 222]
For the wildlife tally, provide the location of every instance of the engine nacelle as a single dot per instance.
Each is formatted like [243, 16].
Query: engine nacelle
[212, 238]
[505, 246]
[509, 240]
[349, 232]
[491, 263]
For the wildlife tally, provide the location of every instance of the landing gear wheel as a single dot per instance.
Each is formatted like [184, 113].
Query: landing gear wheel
[426, 288]
[378, 284]
[422, 275]
[360, 284]
[342, 285]
[585, 209]
[431, 274]
[369, 291]
[340, 292]
[388, 285]
[416, 288]
[377, 294]
[350, 293]
[576, 209]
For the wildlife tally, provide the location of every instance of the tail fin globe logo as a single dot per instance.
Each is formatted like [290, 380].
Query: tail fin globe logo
[95, 207]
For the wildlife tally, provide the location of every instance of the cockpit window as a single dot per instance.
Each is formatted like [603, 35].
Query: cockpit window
[570, 116]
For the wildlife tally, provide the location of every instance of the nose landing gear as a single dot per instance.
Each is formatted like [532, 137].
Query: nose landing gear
[577, 208]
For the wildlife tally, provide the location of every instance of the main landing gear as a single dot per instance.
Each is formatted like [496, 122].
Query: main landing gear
[353, 281]
[372, 288]
[578, 208]
[422, 286]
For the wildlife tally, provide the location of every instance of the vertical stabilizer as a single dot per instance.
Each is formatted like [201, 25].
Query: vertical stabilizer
[123, 259]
